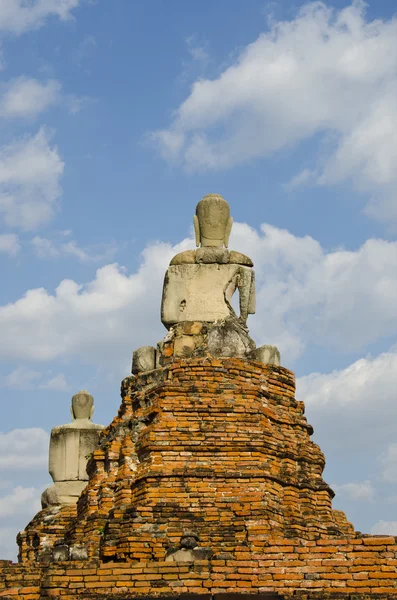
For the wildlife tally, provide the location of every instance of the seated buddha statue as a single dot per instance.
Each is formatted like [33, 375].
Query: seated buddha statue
[70, 448]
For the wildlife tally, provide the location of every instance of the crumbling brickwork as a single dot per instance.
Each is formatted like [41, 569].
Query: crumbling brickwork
[206, 482]
[350, 569]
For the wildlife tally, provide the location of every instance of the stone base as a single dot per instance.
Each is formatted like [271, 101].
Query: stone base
[62, 492]
[226, 338]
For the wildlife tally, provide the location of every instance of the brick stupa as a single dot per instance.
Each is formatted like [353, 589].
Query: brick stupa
[206, 484]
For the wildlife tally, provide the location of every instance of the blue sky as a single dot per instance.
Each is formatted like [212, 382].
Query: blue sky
[115, 119]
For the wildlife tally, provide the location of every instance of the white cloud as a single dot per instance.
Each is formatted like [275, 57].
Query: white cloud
[57, 383]
[17, 502]
[27, 97]
[46, 248]
[355, 408]
[99, 319]
[327, 71]
[340, 299]
[8, 545]
[385, 528]
[73, 249]
[23, 378]
[198, 58]
[86, 49]
[76, 103]
[305, 177]
[197, 50]
[18, 16]
[16, 509]
[9, 244]
[353, 385]
[389, 464]
[355, 491]
[30, 170]
[24, 449]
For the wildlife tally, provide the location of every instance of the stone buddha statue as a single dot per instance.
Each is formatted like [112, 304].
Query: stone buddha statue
[196, 304]
[70, 447]
[199, 284]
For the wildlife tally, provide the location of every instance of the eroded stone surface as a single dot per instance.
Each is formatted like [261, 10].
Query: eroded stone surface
[211, 255]
[63, 492]
[203, 292]
[229, 337]
[212, 221]
[225, 337]
[143, 359]
[268, 355]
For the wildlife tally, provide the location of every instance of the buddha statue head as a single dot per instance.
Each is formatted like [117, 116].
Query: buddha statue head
[212, 221]
[82, 405]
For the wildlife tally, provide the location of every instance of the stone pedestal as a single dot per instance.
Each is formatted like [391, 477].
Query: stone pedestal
[62, 492]
[192, 339]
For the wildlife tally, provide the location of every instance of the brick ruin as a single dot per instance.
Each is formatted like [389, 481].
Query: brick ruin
[205, 485]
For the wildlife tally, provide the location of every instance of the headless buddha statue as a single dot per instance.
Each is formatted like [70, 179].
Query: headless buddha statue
[196, 305]
[199, 284]
[70, 448]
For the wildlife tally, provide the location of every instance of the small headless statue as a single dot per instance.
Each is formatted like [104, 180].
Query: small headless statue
[199, 284]
[70, 448]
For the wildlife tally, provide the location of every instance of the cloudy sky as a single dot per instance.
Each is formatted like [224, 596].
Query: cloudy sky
[115, 119]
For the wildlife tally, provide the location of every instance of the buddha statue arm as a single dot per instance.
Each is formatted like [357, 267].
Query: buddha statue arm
[228, 229]
[51, 452]
[243, 280]
[197, 230]
[252, 298]
[246, 286]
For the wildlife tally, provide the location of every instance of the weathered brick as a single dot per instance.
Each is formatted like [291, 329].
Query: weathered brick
[219, 450]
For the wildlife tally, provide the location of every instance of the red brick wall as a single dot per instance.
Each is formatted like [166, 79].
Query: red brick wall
[349, 568]
[219, 448]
